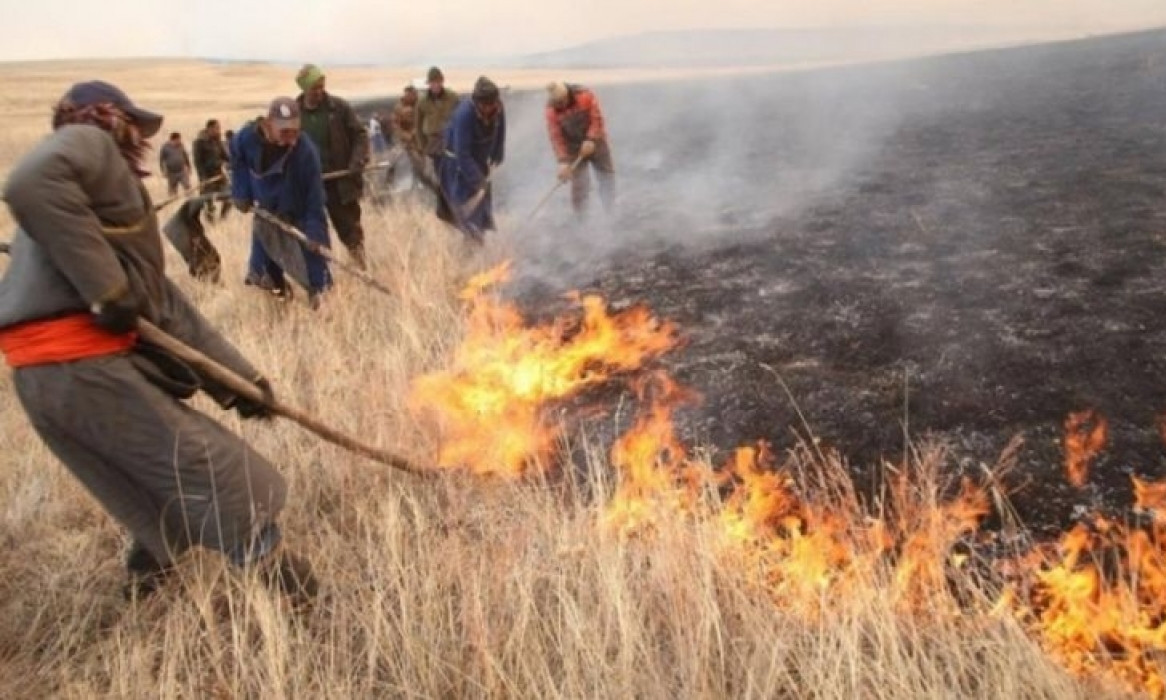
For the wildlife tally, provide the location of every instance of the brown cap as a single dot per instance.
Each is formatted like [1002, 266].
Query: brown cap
[284, 113]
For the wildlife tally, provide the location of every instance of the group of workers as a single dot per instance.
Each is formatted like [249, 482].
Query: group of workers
[86, 270]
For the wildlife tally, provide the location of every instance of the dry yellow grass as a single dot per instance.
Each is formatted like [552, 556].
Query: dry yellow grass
[443, 588]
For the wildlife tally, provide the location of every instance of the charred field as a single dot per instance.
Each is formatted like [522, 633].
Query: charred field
[968, 247]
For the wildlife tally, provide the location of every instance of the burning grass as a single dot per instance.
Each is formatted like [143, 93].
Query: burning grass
[759, 577]
[665, 574]
[808, 542]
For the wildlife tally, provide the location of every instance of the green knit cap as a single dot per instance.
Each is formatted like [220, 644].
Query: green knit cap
[308, 76]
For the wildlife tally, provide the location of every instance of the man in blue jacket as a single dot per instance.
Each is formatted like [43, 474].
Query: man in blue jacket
[475, 142]
[276, 170]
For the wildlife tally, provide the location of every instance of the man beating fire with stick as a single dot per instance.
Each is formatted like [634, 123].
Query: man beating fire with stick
[86, 272]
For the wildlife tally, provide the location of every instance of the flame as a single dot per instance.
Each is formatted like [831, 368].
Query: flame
[656, 479]
[1086, 433]
[1095, 600]
[492, 402]
[1100, 607]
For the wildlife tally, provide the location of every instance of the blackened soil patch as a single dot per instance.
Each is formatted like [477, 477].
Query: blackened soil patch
[993, 263]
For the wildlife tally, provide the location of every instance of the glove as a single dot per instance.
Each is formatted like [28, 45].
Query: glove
[255, 409]
[587, 149]
[119, 315]
[565, 172]
[242, 205]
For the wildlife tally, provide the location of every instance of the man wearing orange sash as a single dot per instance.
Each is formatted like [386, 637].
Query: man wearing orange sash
[86, 265]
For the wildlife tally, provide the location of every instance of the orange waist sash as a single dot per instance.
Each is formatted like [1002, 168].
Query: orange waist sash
[65, 339]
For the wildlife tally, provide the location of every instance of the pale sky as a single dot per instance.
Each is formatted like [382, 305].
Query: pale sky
[387, 31]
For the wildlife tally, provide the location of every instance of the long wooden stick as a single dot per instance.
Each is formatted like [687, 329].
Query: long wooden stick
[188, 195]
[547, 197]
[245, 389]
[336, 175]
[321, 250]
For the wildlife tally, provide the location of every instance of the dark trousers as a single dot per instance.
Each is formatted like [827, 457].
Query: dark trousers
[220, 186]
[601, 162]
[345, 217]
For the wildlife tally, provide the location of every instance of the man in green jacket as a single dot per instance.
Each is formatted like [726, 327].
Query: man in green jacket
[434, 110]
[342, 141]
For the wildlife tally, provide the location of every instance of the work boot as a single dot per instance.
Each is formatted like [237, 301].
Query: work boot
[146, 573]
[291, 575]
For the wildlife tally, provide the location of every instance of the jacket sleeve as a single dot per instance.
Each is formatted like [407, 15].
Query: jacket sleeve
[499, 151]
[240, 170]
[312, 192]
[49, 195]
[182, 320]
[357, 137]
[597, 130]
[556, 136]
[461, 134]
[198, 151]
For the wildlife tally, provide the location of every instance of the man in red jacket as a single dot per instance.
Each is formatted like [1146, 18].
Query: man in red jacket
[578, 137]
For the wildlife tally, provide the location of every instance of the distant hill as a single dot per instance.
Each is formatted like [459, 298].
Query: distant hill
[756, 47]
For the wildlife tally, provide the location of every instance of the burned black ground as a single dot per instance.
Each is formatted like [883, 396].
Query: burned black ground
[969, 247]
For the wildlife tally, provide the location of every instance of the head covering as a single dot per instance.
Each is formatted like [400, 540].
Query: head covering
[434, 75]
[485, 90]
[284, 113]
[95, 92]
[308, 76]
[557, 92]
[410, 88]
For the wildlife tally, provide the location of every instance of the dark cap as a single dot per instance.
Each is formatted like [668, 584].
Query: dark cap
[284, 113]
[98, 92]
[485, 90]
[435, 74]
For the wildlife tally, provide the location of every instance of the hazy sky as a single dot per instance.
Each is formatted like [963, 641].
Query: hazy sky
[382, 31]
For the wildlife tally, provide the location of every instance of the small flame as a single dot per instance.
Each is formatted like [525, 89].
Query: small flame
[1086, 433]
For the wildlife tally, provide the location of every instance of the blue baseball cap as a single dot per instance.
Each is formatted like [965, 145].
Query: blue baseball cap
[98, 91]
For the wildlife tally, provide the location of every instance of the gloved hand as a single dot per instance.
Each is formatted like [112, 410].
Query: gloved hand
[243, 205]
[565, 172]
[255, 409]
[587, 149]
[118, 315]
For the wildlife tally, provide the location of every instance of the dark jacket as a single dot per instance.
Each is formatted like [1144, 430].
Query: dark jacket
[210, 156]
[348, 148]
[474, 146]
[291, 188]
[432, 117]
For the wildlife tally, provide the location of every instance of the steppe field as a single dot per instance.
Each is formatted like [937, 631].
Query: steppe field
[793, 421]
